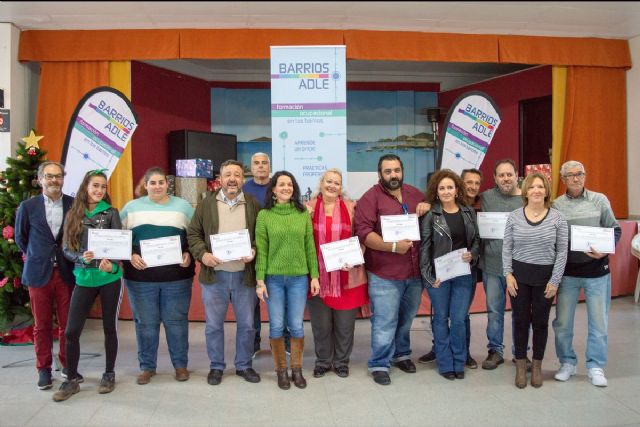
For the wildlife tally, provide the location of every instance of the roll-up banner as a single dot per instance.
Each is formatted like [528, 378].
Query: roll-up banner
[470, 127]
[309, 112]
[99, 130]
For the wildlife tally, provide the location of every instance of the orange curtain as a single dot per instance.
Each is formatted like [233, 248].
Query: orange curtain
[595, 130]
[62, 85]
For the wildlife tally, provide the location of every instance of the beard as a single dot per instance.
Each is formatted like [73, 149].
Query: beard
[392, 184]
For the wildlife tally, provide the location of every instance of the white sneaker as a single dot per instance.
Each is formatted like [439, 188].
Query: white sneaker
[566, 371]
[597, 377]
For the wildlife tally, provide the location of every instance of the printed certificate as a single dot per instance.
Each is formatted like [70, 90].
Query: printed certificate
[451, 265]
[583, 238]
[231, 246]
[399, 227]
[161, 251]
[491, 224]
[111, 244]
[340, 253]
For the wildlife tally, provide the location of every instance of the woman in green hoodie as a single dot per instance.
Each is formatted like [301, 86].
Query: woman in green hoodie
[91, 209]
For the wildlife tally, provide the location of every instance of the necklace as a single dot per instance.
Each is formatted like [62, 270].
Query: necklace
[536, 214]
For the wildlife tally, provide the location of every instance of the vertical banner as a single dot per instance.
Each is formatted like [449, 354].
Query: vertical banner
[309, 112]
[99, 130]
[470, 127]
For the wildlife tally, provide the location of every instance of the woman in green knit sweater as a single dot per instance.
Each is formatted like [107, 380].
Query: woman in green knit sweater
[286, 257]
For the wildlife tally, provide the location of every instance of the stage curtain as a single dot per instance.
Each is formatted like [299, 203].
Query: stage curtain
[558, 100]
[121, 180]
[98, 45]
[582, 51]
[415, 46]
[62, 85]
[595, 130]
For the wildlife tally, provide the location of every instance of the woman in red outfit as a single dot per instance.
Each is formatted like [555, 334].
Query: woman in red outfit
[333, 311]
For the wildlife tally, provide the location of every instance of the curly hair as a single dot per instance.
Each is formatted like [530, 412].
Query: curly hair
[295, 197]
[432, 186]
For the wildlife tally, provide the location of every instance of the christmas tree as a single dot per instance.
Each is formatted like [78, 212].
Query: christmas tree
[17, 183]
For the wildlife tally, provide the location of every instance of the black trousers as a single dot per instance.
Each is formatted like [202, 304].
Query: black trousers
[332, 333]
[82, 300]
[530, 308]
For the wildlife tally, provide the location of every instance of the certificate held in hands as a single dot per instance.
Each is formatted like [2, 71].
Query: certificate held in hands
[399, 227]
[340, 253]
[161, 251]
[583, 238]
[111, 244]
[451, 265]
[231, 246]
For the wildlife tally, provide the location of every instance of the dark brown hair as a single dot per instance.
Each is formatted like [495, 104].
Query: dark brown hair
[434, 181]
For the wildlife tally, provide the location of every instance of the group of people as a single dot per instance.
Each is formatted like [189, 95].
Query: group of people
[286, 270]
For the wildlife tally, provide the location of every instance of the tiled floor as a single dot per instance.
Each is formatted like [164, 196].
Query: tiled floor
[483, 398]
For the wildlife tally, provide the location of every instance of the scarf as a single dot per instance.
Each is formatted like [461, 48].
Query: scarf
[330, 283]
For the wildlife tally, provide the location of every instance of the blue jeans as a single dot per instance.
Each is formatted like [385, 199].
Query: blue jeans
[597, 292]
[168, 303]
[229, 287]
[287, 296]
[451, 304]
[394, 304]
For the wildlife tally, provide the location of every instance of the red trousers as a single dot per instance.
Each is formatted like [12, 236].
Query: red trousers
[42, 305]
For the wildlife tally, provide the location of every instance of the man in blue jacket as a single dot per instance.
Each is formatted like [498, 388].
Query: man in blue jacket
[39, 229]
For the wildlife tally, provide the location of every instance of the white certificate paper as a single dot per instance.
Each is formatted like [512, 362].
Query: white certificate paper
[161, 251]
[337, 254]
[601, 239]
[231, 246]
[399, 227]
[451, 265]
[491, 224]
[111, 244]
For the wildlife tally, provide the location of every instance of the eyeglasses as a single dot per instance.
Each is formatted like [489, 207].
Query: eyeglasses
[578, 175]
[50, 177]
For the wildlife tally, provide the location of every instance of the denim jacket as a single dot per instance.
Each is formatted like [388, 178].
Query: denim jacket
[436, 239]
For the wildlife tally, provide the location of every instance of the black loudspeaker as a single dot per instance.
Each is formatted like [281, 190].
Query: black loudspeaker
[192, 144]
[433, 115]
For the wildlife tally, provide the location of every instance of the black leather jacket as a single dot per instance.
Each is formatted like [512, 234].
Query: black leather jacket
[436, 239]
[109, 218]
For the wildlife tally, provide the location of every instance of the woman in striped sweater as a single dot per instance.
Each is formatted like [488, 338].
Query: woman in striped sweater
[534, 254]
[286, 257]
[159, 294]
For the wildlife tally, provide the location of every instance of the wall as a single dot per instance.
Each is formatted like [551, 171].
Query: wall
[506, 91]
[633, 129]
[164, 101]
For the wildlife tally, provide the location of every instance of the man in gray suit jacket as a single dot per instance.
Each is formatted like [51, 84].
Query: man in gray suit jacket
[49, 276]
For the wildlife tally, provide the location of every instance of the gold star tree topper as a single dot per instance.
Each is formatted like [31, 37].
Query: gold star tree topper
[32, 140]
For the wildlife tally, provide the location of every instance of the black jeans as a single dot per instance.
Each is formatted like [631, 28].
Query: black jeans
[332, 333]
[82, 300]
[530, 308]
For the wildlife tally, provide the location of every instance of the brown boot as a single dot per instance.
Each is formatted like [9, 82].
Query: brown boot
[521, 373]
[280, 362]
[536, 373]
[297, 348]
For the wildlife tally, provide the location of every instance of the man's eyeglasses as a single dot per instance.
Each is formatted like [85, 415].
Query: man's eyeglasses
[50, 177]
[578, 175]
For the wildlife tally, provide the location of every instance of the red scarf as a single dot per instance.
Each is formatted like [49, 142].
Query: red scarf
[330, 283]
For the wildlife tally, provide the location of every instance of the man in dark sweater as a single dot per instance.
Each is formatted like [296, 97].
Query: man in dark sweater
[585, 270]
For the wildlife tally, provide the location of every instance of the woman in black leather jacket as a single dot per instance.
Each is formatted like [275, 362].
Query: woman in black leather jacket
[95, 278]
[449, 226]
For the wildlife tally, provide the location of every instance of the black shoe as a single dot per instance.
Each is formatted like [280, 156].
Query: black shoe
[107, 383]
[449, 375]
[406, 365]
[471, 363]
[529, 364]
[44, 379]
[64, 374]
[381, 377]
[319, 371]
[248, 374]
[214, 377]
[459, 375]
[342, 371]
[429, 357]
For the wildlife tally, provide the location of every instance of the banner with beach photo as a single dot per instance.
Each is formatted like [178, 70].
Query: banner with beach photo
[99, 130]
[470, 126]
[308, 112]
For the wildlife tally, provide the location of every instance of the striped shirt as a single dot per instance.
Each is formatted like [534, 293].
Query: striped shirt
[544, 243]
